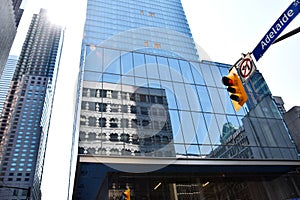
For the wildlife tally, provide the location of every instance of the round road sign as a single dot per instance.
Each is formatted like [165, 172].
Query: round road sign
[246, 68]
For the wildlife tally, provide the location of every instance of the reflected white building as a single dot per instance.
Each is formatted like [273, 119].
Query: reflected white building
[131, 121]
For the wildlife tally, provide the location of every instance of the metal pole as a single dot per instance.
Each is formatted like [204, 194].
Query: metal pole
[293, 32]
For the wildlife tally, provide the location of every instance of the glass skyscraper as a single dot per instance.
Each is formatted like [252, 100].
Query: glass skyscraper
[152, 117]
[25, 117]
[6, 77]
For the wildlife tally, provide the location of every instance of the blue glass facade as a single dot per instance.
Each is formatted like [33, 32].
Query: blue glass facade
[197, 102]
[143, 92]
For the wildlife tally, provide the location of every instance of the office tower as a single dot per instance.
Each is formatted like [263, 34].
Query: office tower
[292, 119]
[6, 78]
[25, 117]
[7, 31]
[139, 60]
[280, 104]
[17, 10]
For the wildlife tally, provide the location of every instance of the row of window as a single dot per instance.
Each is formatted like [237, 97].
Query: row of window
[123, 23]
[102, 93]
[124, 123]
[103, 107]
[154, 67]
[114, 137]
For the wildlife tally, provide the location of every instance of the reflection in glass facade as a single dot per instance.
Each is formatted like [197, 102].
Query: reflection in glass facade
[122, 88]
[143, 93]
[124, 121]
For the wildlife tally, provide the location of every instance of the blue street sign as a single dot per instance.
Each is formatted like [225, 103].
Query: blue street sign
[289, 14]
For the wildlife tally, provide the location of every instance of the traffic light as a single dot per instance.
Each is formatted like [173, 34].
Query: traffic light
[236, 89]
[126, 194]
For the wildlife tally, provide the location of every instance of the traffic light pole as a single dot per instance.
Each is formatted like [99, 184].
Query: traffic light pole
[289, 34]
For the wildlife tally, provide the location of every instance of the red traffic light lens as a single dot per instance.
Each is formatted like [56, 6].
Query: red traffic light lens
[227, 81]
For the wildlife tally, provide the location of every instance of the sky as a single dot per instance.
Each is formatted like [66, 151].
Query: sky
[223, 29]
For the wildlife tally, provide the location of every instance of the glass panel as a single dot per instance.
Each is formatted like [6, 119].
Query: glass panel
[180, 149]
[195, 67]
[111, 61]
[193, 150]
[141, 82]
[232, 119]
[139, 65]
[111, 78]
[193, 97]
[216, 75]
[222, 121]
[163, 68]
[207, 75]
[204, 98]
[181, 96]
[92, 76]
[126, 63]
[213, 128]
[151, 67]
[206, 150]
[176, 129]
[175, 70]
[214, 96]
[93, 59]
[171, 99]
[153, 83]
[200, 126]
[188, 128]
[128, 80]
[186, 71]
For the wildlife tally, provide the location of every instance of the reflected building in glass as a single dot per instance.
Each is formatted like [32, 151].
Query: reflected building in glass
[147, 104]
[129, 121]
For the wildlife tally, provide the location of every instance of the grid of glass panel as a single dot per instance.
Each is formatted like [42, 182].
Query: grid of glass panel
[145, 26]
[201, 117]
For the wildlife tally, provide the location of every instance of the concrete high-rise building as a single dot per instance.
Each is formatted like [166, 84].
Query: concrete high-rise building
[17, 10]
[280, 104]
[152, 117]
[292, 119]
[25, 117]
[8, 30]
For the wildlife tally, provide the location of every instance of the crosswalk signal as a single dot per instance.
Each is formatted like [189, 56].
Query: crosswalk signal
[126, 194]
[236, 89]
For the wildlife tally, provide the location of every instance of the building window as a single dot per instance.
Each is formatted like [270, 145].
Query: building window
[152, 14]
[113, 123]
[146, 43]
[157, 45]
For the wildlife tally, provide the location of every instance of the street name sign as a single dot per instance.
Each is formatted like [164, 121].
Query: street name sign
[288, 15]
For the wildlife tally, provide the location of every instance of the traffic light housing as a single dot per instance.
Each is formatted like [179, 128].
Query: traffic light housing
[126, 194]
[236, 89]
